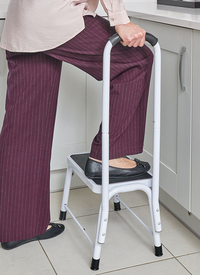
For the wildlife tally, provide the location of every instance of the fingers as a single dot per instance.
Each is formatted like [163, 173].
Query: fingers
[137, 40]
[132, 35]
[135, 43]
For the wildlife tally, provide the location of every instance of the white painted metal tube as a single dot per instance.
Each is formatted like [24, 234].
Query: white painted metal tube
[132, 213]
[97, 245]
[66, 188]
[156, 144]
[105, 142]
[79, 225]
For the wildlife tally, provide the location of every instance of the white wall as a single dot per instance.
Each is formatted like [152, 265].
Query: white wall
[101, 12]
[4, 1]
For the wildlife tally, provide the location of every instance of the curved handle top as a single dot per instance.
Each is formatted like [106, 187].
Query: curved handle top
[115, 38]
[151, 39]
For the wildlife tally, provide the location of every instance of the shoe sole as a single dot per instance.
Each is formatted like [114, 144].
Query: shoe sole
[131, 177]
[49, 235]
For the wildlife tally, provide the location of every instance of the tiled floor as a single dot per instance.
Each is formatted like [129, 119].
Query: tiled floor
[128, 249]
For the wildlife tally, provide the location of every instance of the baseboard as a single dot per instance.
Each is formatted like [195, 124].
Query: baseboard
[57, 181]
[188, 219]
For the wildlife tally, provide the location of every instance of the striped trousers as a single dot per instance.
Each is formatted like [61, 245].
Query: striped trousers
[27, 132]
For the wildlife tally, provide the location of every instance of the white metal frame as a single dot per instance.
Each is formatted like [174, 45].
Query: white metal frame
[150, 186]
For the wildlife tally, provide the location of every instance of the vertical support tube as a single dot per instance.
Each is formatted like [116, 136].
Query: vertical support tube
[156, 143]
[66, 188]
[105, 142]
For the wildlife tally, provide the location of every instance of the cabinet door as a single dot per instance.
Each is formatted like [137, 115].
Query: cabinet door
[69, 133]
[94, 108]
[175, 164]
[196, 128]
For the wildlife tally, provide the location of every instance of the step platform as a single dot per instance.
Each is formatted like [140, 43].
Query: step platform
[81, 160]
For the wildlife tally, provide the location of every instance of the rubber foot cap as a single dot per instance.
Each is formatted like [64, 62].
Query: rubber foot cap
[95, 264]
[63, 215]
[117, 206]
[158, 251]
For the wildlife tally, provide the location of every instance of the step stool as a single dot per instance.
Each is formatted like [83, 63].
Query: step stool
[148, 183]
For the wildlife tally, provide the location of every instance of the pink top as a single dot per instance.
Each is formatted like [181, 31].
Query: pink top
[39, 25]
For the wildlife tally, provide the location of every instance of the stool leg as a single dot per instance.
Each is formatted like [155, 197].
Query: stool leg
[117, 205]
[156, 235]
[65, 198]
[97, 245]
[157, 240]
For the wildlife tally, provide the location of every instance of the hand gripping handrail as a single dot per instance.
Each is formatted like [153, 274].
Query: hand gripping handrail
[115, 38]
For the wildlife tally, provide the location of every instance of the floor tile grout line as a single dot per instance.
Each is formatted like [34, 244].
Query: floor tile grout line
[168, 250]
[183, 265]
[48, 258]
[176, 258]
[92, 214]
[182, 255]
[188, 254]
[137, 265]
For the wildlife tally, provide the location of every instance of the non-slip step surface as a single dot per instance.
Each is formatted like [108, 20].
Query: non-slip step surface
[81, 160]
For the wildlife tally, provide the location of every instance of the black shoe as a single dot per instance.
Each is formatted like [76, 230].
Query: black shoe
[55, 230]
[93, 170]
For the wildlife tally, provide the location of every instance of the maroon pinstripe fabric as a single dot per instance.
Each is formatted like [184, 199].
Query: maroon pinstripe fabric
[25, 140]
[130, 78]
[26, 136]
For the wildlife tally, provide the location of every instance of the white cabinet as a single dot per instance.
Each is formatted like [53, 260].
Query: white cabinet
[70, 125]
[196, 127]
[176, 109]
[180, 126]
[94, 108]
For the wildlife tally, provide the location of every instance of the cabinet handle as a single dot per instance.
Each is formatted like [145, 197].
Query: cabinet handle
[183, 50]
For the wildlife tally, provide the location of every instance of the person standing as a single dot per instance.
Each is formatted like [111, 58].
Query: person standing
[38, 36]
